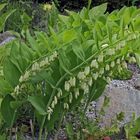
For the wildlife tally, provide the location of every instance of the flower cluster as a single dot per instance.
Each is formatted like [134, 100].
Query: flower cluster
[54, 103]
[37, 66]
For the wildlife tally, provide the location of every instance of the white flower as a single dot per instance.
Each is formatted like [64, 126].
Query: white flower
[49, 111]
[49, 116]
[107, 68]
[16, 90]
[59, 93]
[118, 61]
[67, 86]
[90, 81]
[128, 55]
[112, 64]
[55, 100]
[95, 76]
[118, 47]
[101, 71]
[132, 60]
[66, 106]
[104, 45]
[86, 90]
[81, 75]
[46, 61]
[94, 64]
[108, 79]
[72, 81]
[21, 79]
[87, 70]
[100, 58]
[35, 67]
[76, 92]
[119, 68]
[110, 52]
[83, 85]
[53, 104]
[124, 64]
[123, 58]
[70, 97]
[42, 63]
[51, 58]
[55, 54]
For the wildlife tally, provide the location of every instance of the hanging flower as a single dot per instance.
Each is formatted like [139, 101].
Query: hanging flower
[72, 81]
[87, 70]
[81, 75]
[94, 64]
[67, 86]
[100, 58]
[101, 71]
[53, 104]
[110, 52]
[104, 45]
[107, 68]
[112, 64]
[124, 64]
[90, 81]
[70, 98]
[59, 94]
[132, 60]
[118, 61]
[55, 100]
[95, 75]
[76, 91]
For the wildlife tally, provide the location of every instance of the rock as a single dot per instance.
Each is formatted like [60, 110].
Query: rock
[137, 82]
[124, 97]
[121, 100]
[6, 37]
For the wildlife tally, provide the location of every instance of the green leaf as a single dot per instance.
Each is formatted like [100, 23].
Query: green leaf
[43, 40]
[78, 50]
[69, 35]
[9, 114]
[38, 104]
[97, 89]
[2, 6]
[11, 72]
[4, 17]
[33, 42]
[3, 137]
[69, 130]
[98, 10]
[5, 87]
[138, 58]
[16, 104]
[64, 62]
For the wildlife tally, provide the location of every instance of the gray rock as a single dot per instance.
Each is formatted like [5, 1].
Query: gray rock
[6, 37]
[124, 97]
[137, 82]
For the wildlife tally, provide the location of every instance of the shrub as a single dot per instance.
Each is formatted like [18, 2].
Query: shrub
[75, 62]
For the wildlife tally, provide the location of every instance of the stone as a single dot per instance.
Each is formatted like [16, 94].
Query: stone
[6, 37]
[137, 82]
[121, 100]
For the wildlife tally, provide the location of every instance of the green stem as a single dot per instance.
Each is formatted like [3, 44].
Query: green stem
[41, 128]
[46, 134]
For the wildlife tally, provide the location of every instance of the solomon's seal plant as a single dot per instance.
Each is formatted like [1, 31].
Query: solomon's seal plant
[56, 72]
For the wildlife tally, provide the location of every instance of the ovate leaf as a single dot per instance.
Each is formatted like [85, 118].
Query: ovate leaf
[38, 104]
[9, 114]
[11, 72]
